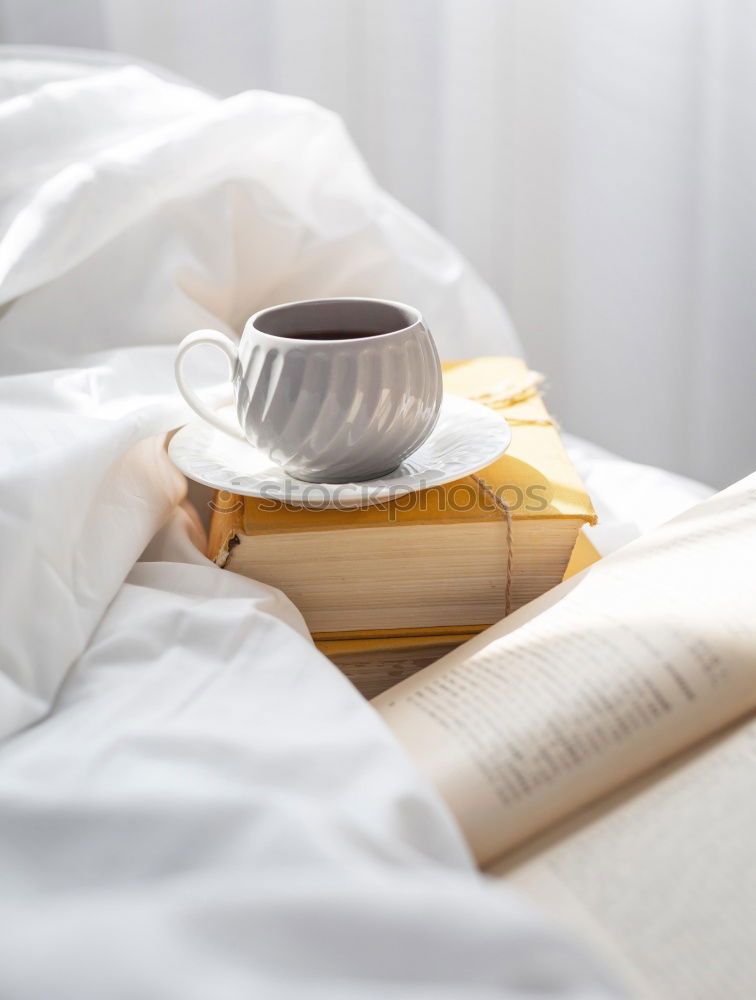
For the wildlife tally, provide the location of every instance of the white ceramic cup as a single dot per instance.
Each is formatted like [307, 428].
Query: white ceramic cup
[332, 390]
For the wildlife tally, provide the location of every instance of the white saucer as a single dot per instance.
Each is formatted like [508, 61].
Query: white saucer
[467, 437]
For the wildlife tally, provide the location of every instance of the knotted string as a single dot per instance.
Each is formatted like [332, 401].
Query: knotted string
[505, 394]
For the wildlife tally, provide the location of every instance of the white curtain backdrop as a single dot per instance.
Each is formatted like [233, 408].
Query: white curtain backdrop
[595, 159]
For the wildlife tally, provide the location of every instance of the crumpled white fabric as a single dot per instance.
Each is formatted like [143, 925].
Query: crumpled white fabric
[193, 802]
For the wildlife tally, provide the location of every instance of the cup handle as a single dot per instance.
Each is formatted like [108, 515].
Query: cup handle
[194, 400]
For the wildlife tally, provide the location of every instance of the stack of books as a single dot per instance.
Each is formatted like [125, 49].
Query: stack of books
[387, 589]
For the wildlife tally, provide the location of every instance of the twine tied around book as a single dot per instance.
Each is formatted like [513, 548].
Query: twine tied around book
[500, 397]
[505, 394]
[503, 506]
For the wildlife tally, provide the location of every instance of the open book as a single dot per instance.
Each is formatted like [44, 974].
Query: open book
[596, 748]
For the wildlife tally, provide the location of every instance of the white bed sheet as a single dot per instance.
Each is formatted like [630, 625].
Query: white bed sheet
[193, 802]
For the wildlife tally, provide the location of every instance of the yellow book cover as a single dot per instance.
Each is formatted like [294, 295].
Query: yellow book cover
[535, 478]
[584, 554]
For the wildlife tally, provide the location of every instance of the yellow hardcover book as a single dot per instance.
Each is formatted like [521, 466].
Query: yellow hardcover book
[436, 559]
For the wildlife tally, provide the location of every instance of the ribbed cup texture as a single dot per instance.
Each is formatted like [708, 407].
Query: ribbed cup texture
[341, 410]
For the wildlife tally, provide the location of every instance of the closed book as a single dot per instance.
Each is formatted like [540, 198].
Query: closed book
[437, 559]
